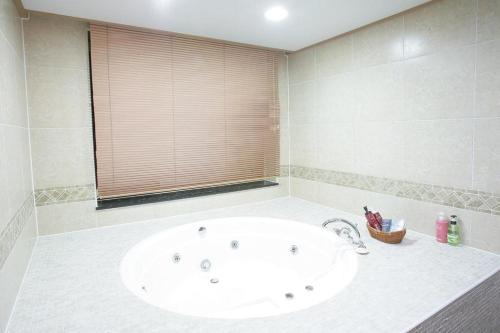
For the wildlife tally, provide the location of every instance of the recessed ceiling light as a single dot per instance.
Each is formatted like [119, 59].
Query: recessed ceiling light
[276, 13]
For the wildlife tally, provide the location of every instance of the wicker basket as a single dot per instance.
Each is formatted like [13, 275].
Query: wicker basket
[387, 237]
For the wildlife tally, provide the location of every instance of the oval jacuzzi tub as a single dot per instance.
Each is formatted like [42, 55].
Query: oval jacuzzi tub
[241, 267]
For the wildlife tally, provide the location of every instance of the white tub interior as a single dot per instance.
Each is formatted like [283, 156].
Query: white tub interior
[257, 278]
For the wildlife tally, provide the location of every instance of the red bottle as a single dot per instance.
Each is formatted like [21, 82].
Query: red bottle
[372, 219]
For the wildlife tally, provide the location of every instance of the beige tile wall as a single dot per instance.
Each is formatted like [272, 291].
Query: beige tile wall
[61, 132]
[15, 165]
[414, 97]
[57, 68]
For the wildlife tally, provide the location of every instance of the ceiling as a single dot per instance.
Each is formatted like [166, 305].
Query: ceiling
[243, 21]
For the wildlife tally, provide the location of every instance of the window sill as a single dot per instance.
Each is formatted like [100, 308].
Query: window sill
[169, 196]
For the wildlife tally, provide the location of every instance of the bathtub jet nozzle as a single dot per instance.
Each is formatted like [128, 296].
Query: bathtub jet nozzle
[205, 265]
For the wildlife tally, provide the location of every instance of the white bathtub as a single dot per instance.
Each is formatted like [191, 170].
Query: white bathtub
[258, 267]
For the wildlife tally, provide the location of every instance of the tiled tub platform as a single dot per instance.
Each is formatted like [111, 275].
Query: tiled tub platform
[74, 284]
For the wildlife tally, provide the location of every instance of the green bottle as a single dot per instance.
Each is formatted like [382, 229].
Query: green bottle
[453, 231]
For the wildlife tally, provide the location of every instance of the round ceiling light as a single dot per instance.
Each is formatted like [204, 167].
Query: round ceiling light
[276, 13]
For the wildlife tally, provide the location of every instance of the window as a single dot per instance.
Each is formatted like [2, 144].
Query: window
[174, 113]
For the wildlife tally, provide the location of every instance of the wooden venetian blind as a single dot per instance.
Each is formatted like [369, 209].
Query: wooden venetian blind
[174, 113]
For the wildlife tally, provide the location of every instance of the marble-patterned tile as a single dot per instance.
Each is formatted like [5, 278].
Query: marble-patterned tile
[439, 25]
[379, 43]
[64, 217]
[441, 85]
[56, 41]
[488, 79]
[335, 99]
[335, 147]
[485, 231]
[439, 152]
[62, 157]
[10, 26]
[380, 149]
[487, 155]
[18, 168]
[284, 145]
[302, 149]
[5, 208]
[334, 56]
[302, 103]
[379, 93]
[488, 24]
[12, 87]
[303, 188]
[59, 97]
[301, 66]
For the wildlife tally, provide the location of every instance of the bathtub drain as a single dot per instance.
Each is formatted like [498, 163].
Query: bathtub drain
[214, 280]
[289, 296]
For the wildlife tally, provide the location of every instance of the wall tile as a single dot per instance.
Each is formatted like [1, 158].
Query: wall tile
[62, 157]
[59, 97]
[488, 24]
[302, 145]
[335, 147]
[66, 217]
[380, 149]
[334, 56]
[10, 26]
[335, 99]
[488, 79]
[284, 145]
[379, 93]
[379, 43]
[439, 25]
[441, 85]
[18, 167]
[302, 103]
[485, 231]
[487, 155]
[303, 188]
[12, 84]
[439, 152]
[301, 66]
[56, 41]
[12, 272]
[6, 212]
[477, 229]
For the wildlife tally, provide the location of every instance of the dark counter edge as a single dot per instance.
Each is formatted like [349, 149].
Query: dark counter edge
[185, 194]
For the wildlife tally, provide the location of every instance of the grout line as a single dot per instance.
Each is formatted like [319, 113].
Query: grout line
[79, 69]
[474, 100]
[403, 60]
[28, 123]
[288, 125]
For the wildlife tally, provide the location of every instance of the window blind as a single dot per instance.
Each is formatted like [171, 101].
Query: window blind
[174, 113]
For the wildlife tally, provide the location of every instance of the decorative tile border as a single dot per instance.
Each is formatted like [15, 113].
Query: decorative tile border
[448, 196]
[11, 232]
[284, 170]
[54, 195]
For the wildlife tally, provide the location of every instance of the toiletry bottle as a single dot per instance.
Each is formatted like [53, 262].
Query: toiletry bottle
[442, 228]
[372, 220]
[453, 231]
